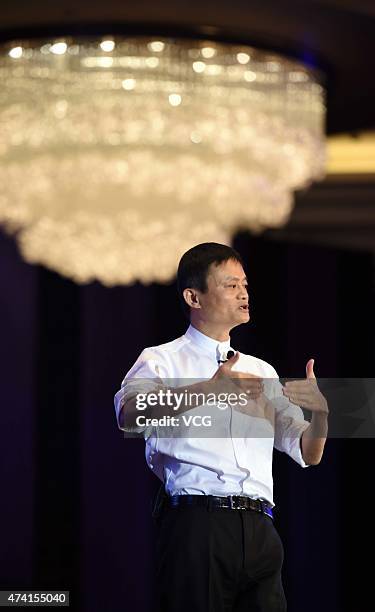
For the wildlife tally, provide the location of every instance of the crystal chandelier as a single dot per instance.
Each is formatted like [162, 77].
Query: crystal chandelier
[117, 155]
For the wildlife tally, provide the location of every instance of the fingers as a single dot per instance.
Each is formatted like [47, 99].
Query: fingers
[308, 402]
[310, 397]
[301, 392]
[300, 399]
[253, 387]
[227, 366]
[300, 385]
[232, 360]
[253, 395]
[251, 384]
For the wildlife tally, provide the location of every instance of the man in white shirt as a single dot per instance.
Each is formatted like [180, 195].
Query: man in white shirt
[218, 549]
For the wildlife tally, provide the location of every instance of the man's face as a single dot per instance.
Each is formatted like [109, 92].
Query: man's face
[226, 300]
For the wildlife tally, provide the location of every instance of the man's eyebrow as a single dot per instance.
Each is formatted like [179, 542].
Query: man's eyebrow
[237, 278]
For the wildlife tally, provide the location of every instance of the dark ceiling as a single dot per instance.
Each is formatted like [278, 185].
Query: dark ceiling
[336, 35]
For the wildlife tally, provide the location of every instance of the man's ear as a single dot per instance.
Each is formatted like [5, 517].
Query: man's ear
[191, 297]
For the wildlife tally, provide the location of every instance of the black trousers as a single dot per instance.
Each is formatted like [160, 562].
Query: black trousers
[218, 561]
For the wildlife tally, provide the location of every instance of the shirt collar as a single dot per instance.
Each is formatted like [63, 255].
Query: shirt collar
[216, 349]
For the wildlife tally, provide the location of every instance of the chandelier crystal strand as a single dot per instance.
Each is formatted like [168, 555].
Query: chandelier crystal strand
[117, 155]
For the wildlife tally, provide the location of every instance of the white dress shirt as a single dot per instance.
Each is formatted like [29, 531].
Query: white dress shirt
[228, 465]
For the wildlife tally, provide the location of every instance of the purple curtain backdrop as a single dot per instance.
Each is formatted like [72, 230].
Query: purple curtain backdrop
[76, 502]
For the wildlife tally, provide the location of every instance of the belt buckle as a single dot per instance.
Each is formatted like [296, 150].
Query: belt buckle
[234, 505]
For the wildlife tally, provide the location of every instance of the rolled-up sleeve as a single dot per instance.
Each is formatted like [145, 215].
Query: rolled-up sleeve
[289, 424]
[144, 377]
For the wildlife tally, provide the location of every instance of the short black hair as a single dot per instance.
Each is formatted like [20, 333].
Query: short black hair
[194, 266]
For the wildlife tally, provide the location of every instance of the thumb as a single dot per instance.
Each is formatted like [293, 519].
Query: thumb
[232, 360]
[310, 369]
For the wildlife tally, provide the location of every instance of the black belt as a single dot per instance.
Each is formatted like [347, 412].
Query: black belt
[213, 502]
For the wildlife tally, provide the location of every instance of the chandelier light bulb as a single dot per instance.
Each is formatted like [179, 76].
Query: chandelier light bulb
[199, 67]
[16, 52]
[107, 45]
[175, 99]
[243, 58]
[129, 84]
[59, 48]
[157, 46]
[208, 52]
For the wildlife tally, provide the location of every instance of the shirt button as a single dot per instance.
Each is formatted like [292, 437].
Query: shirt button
[151, 466]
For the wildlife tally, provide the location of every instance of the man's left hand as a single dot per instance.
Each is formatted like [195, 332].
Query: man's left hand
[306, 393]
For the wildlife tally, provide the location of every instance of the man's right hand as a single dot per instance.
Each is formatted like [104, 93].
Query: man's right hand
[251, 384]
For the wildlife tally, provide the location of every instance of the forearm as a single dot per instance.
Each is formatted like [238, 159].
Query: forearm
[181, 400]
[314, 438]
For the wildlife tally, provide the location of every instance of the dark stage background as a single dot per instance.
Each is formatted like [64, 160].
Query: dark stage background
[76, 496]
